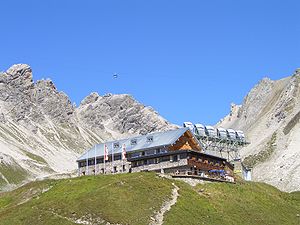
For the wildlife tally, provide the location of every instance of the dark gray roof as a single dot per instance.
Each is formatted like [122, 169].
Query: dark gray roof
[160, 139]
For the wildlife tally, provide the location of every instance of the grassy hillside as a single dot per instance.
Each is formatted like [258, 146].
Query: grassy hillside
[242, 203]
[133, 199]
[13, 174]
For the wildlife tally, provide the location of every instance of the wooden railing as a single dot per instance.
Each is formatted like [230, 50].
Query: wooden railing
[204, 165]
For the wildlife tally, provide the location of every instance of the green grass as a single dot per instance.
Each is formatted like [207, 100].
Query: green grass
[14, 173]
[2, 182]
[35, 157]
[133, 199]
[242, 203]
[125, 199]
[40, 160]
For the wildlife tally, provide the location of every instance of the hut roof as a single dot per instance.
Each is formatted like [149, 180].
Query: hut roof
[151, 140]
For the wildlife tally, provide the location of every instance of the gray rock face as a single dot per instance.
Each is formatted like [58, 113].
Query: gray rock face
[16, 86]
[42, 132]
[121, 114]
[56, 105]
[269, 116]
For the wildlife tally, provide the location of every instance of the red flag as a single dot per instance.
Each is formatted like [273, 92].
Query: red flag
[105, 152]
[123, 151]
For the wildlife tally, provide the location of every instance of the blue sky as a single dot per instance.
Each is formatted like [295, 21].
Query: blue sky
[187, 59]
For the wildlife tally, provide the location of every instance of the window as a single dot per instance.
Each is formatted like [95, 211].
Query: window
[163, 151]
[133, 141]
[150, 139]
[140, 163]
[115, 169]
[99, 161]
[150, 152]
[91, 162]
[165, 159]
[151, 161]
[175, 158]
[135, 154]
[183, 156]
[117, 145]
[117, 157]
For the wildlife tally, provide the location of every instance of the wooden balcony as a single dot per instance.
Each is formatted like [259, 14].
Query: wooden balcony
[204, 165]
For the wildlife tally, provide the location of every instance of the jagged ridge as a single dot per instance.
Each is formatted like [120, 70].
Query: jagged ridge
[42, 132]
[270, 114]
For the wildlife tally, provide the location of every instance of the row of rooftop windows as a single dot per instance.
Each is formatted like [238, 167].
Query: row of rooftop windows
[133, 142]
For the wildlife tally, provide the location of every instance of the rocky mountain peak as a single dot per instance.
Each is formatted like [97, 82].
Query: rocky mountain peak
[45, 84]
[234, 109]
[19, 75]
[265, 80]
[297, 72]
[121, 114]
[42, 132]
[19, 69]
[256, 99]
[231, 117]
[93, 97]
[270, 118]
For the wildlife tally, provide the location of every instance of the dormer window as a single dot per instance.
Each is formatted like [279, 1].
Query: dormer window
[117, 145]
[150, 139]
[133, 141]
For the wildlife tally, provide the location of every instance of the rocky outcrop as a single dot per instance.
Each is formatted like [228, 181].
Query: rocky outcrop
[269, 116]
[231, 118]
[120, 114]
[42, 132]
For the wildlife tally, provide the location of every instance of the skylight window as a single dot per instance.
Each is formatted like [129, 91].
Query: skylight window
[133, 141]
[117, 145]
[150, 139]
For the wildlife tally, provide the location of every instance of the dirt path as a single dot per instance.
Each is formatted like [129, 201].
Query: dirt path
[158, 218]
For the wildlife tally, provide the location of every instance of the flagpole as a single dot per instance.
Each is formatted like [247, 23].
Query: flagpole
[123, 156]
[122, 163]
[104, 158]
[86, 166]
[87, 163]
[95, 157]
[112, 157]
